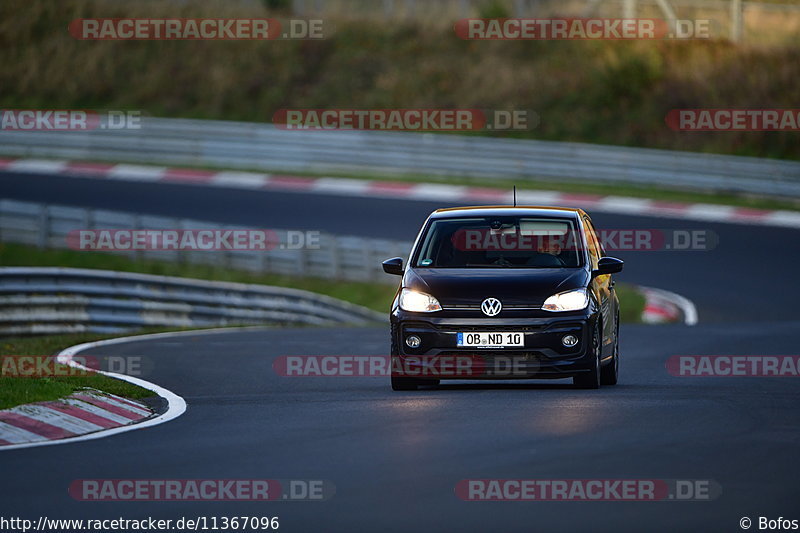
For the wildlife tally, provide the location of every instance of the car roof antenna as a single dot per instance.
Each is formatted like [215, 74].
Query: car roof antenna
[515, 196]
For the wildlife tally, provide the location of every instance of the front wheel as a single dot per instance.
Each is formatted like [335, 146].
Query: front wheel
[609, 374]
[591, 379]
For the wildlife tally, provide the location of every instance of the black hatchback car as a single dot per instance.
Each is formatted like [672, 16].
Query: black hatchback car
[505, 293]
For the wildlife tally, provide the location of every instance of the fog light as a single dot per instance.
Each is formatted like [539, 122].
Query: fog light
[412, 341]
[569, 341]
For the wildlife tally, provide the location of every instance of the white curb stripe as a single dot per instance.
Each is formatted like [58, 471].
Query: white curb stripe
[93, 409]
[17, 435]
[38, 165]
[134, 403]
[137, 173]
[435, 191]
[116, 403]
[55, 418]
[710, 212]
[341, 186]
[784, 218]
[622, 204]
[537, 197]
[240, 180]
[686, 306]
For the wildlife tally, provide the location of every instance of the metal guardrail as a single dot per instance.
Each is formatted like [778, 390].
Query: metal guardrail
[334, 257]
[241, 145]
[62, 300]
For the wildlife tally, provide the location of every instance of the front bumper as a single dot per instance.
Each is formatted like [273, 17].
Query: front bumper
[542, 356]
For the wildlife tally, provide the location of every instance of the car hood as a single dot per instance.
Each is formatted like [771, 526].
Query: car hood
[524, 286]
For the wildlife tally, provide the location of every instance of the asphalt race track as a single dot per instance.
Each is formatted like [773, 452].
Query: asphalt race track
[395, 458]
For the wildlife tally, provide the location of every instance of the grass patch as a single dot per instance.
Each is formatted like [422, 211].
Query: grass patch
[631, 303]
[65, 381]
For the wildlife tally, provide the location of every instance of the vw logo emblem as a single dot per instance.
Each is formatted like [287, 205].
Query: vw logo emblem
[491, 306]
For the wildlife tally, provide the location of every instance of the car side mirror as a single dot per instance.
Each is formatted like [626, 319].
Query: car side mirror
[608, 265]
[393, 266]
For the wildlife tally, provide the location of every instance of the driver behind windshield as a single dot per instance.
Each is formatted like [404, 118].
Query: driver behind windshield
[475, 243]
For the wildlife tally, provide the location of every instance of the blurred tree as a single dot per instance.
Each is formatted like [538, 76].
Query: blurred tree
[278, 5]
[494, 9]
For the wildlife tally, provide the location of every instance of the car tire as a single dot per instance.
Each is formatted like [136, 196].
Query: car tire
[399, 383]
[591, 379]
[609, 374]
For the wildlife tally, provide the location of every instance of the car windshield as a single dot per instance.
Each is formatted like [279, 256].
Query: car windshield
[500, 242]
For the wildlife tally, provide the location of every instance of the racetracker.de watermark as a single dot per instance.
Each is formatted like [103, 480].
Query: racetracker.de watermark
[201, 240]
[621, 490]
[733, 119]
[731, 366]
[48, 366]
[547, 29]
[193, 29]
[463, 366]
[208, 490]
[612, 240]
[406, 119]
[68, 120]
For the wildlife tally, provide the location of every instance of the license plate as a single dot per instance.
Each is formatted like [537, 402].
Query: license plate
[494, 339]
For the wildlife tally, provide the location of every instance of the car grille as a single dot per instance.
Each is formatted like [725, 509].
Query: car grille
[474, 307]
[488, 328]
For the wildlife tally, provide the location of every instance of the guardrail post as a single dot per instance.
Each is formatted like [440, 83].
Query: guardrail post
[629, 9]
[388, 8]
[590, 8]
[87, 219]
[736, 21]
[411, 8]
[44, 227]
[335, 258]
[263, 261]
[366, 258]
[302, 260]
[137, 225]
[669, 13]
[184, 257]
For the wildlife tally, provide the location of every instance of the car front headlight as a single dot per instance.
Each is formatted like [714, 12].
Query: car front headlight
[418, 302]
[574, 300]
